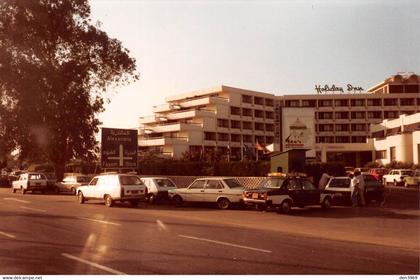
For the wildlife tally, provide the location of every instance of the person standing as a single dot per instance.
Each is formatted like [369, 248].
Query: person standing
[354, 189]
[325, 177]
[359, 177]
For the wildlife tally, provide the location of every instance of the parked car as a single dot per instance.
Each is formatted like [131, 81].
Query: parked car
[158, 187]
[113, 187]
[396, 176]
[31, 181]
[222, 190]
[71, 182]
[14, 175]
[51, 181]
[413, 180]
[339, 189]
[286, 191]
[378, 173]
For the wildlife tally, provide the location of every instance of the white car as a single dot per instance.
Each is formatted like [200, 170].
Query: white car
[158, 187]
[31, 181]
[396, 176]
[222, 190]
[71, 182]
[113, 187]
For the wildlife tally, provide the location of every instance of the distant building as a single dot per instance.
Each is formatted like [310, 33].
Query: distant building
[333, 124]
[397, 140]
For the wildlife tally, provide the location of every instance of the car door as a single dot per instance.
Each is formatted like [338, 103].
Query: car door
[89, 190]
[213, 189]
[295, 191]
[311, 195]
[195, 191]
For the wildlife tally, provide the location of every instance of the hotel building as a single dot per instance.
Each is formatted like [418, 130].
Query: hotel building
[226, 118]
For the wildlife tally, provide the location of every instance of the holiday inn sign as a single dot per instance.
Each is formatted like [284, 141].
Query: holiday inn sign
[334, 88]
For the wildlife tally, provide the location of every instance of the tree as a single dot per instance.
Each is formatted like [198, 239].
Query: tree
[55, 67]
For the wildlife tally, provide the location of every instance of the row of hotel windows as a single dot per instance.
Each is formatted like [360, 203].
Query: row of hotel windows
[381, 154]
[249, 99]
[213, 136]
[341, 139]
[237, 111]
[224, 123]
[353, 102]
[341, 127]
[361, 115]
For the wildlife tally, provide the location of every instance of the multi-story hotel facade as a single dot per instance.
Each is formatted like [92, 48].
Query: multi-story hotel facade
[333, 124]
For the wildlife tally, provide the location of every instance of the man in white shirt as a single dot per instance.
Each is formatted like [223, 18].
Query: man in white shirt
[324, 180]
[354, 189]
[359, 177]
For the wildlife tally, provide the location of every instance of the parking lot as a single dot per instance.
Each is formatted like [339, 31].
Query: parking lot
[53, 234]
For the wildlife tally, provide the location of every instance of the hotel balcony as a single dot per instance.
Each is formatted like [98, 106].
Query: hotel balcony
[148, 119]
[175, 127]
[189, 113]
[161, 141]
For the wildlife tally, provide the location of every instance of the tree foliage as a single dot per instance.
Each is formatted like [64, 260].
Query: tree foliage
[55, 66]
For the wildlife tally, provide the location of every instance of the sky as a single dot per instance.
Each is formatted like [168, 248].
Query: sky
[277, 47]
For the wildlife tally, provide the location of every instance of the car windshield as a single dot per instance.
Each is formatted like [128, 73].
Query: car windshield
[130, 180]
[339, 183]
[232, 183]
[164, 183]
[271, 182]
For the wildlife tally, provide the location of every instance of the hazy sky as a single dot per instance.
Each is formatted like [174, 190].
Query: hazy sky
[279, 47]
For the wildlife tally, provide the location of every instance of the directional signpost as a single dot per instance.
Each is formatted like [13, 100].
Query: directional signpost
[119, 148]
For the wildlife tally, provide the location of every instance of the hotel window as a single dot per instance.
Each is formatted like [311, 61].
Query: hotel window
[325, 139]
[269, 127]
[269, 139]
[223, 137]
[247, 99]
[391, 115]
[259, 126]
[374, 102]
[210, 136]
[341, 115]
[269, 102]
[235, 137]
[396, 88]
[247, 125]
[357, 115]
[223, 123]
[357, 102]
[411, 89]
[358, 139]
[380, 154]
[341, 127]
[374, 115]
[325, 127]
[235, 111]
[342, 139]
[247, 138]
[269, 115]
[292, 103]
[358, 127]
[325, 115]
[325, 103]
[341, 103]
[235, 124]
[418, 101]
[259, 114]
[258, 100]
[309, 103]
[392, 153]
[407, 101]
[246, 112]
[390, 102]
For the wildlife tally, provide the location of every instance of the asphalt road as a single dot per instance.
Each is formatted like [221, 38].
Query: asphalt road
[53, 234]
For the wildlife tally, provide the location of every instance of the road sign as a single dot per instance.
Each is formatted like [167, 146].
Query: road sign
[119, 148]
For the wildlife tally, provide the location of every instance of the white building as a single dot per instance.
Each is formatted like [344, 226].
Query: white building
[397, 140]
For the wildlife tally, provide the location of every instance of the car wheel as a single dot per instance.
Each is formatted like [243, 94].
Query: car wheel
[73, 191]
[23, 191]
[177, 200]
[326, 204]
[260, 207]
[285, 207]
[80, 198]
[223, 203]
[109, 202]
[152, 198]
[395, 183]
[14, 190]
[134, 203]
